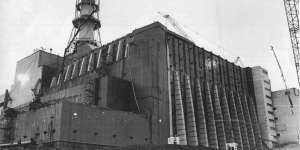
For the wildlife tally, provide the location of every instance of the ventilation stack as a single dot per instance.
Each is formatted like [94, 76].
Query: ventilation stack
[87, 23]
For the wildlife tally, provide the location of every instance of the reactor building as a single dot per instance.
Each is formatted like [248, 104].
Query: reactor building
[150, 89]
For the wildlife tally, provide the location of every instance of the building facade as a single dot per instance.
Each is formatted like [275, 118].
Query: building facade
[144, 88]
[288, 123]
[265, 106]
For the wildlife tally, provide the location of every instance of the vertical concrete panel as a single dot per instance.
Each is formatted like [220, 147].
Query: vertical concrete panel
[241, 119]
[83, 66]
[219, 119]
[248, 122]
[91, 62]
[110, 52]
[127, 50]
[75, 70]
[256, 128]
[120, 50]
[210, 119]
[226, 117]
[201, 123]
[99, 59]
[192, 137]
[235, 121]
[170, 65]
[68, 73]
[59, 79]
[180, 120]
[53, 82]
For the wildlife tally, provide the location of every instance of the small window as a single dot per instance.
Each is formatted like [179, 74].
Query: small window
[267, 89]
[271, 112]
[270, 105]
[269, 97]
[267, 81]
[264, 71]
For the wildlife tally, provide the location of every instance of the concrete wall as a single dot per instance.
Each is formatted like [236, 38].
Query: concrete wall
[27, 74]
[83, 124]
[164, 69]
[28, 71]
[42, 125]
[288, 124]
[264, 104]
[146, 67]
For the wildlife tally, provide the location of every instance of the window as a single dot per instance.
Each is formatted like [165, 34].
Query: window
[272, 120]
[267, 89]
[267, 81]
[268, 96]
[264, 71]
[271, 105]
[271, 112]
[277, 135]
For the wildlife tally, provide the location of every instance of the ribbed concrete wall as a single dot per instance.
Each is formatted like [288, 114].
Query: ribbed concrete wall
[210, 118]
[201, 122]
[226, 117]
[180, 118]
[219, 119]
[192, 137]
[220, 105]
[235, 122]
[242, 122]
[248, 123]
[207, 108]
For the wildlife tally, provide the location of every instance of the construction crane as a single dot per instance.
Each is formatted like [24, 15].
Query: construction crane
[292, 11]
[176, 25]
[287, 92]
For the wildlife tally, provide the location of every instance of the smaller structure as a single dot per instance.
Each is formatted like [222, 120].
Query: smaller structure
[265, 108]
[288, 123]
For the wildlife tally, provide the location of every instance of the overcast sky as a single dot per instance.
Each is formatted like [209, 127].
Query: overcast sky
[230, 28]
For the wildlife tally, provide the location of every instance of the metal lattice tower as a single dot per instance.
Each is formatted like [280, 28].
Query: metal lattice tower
[86, 25]
[292, 11]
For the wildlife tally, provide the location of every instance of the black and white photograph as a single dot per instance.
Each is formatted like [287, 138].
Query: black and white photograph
[149, 75]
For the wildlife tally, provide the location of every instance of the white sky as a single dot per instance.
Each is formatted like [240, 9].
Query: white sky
[244, 28]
